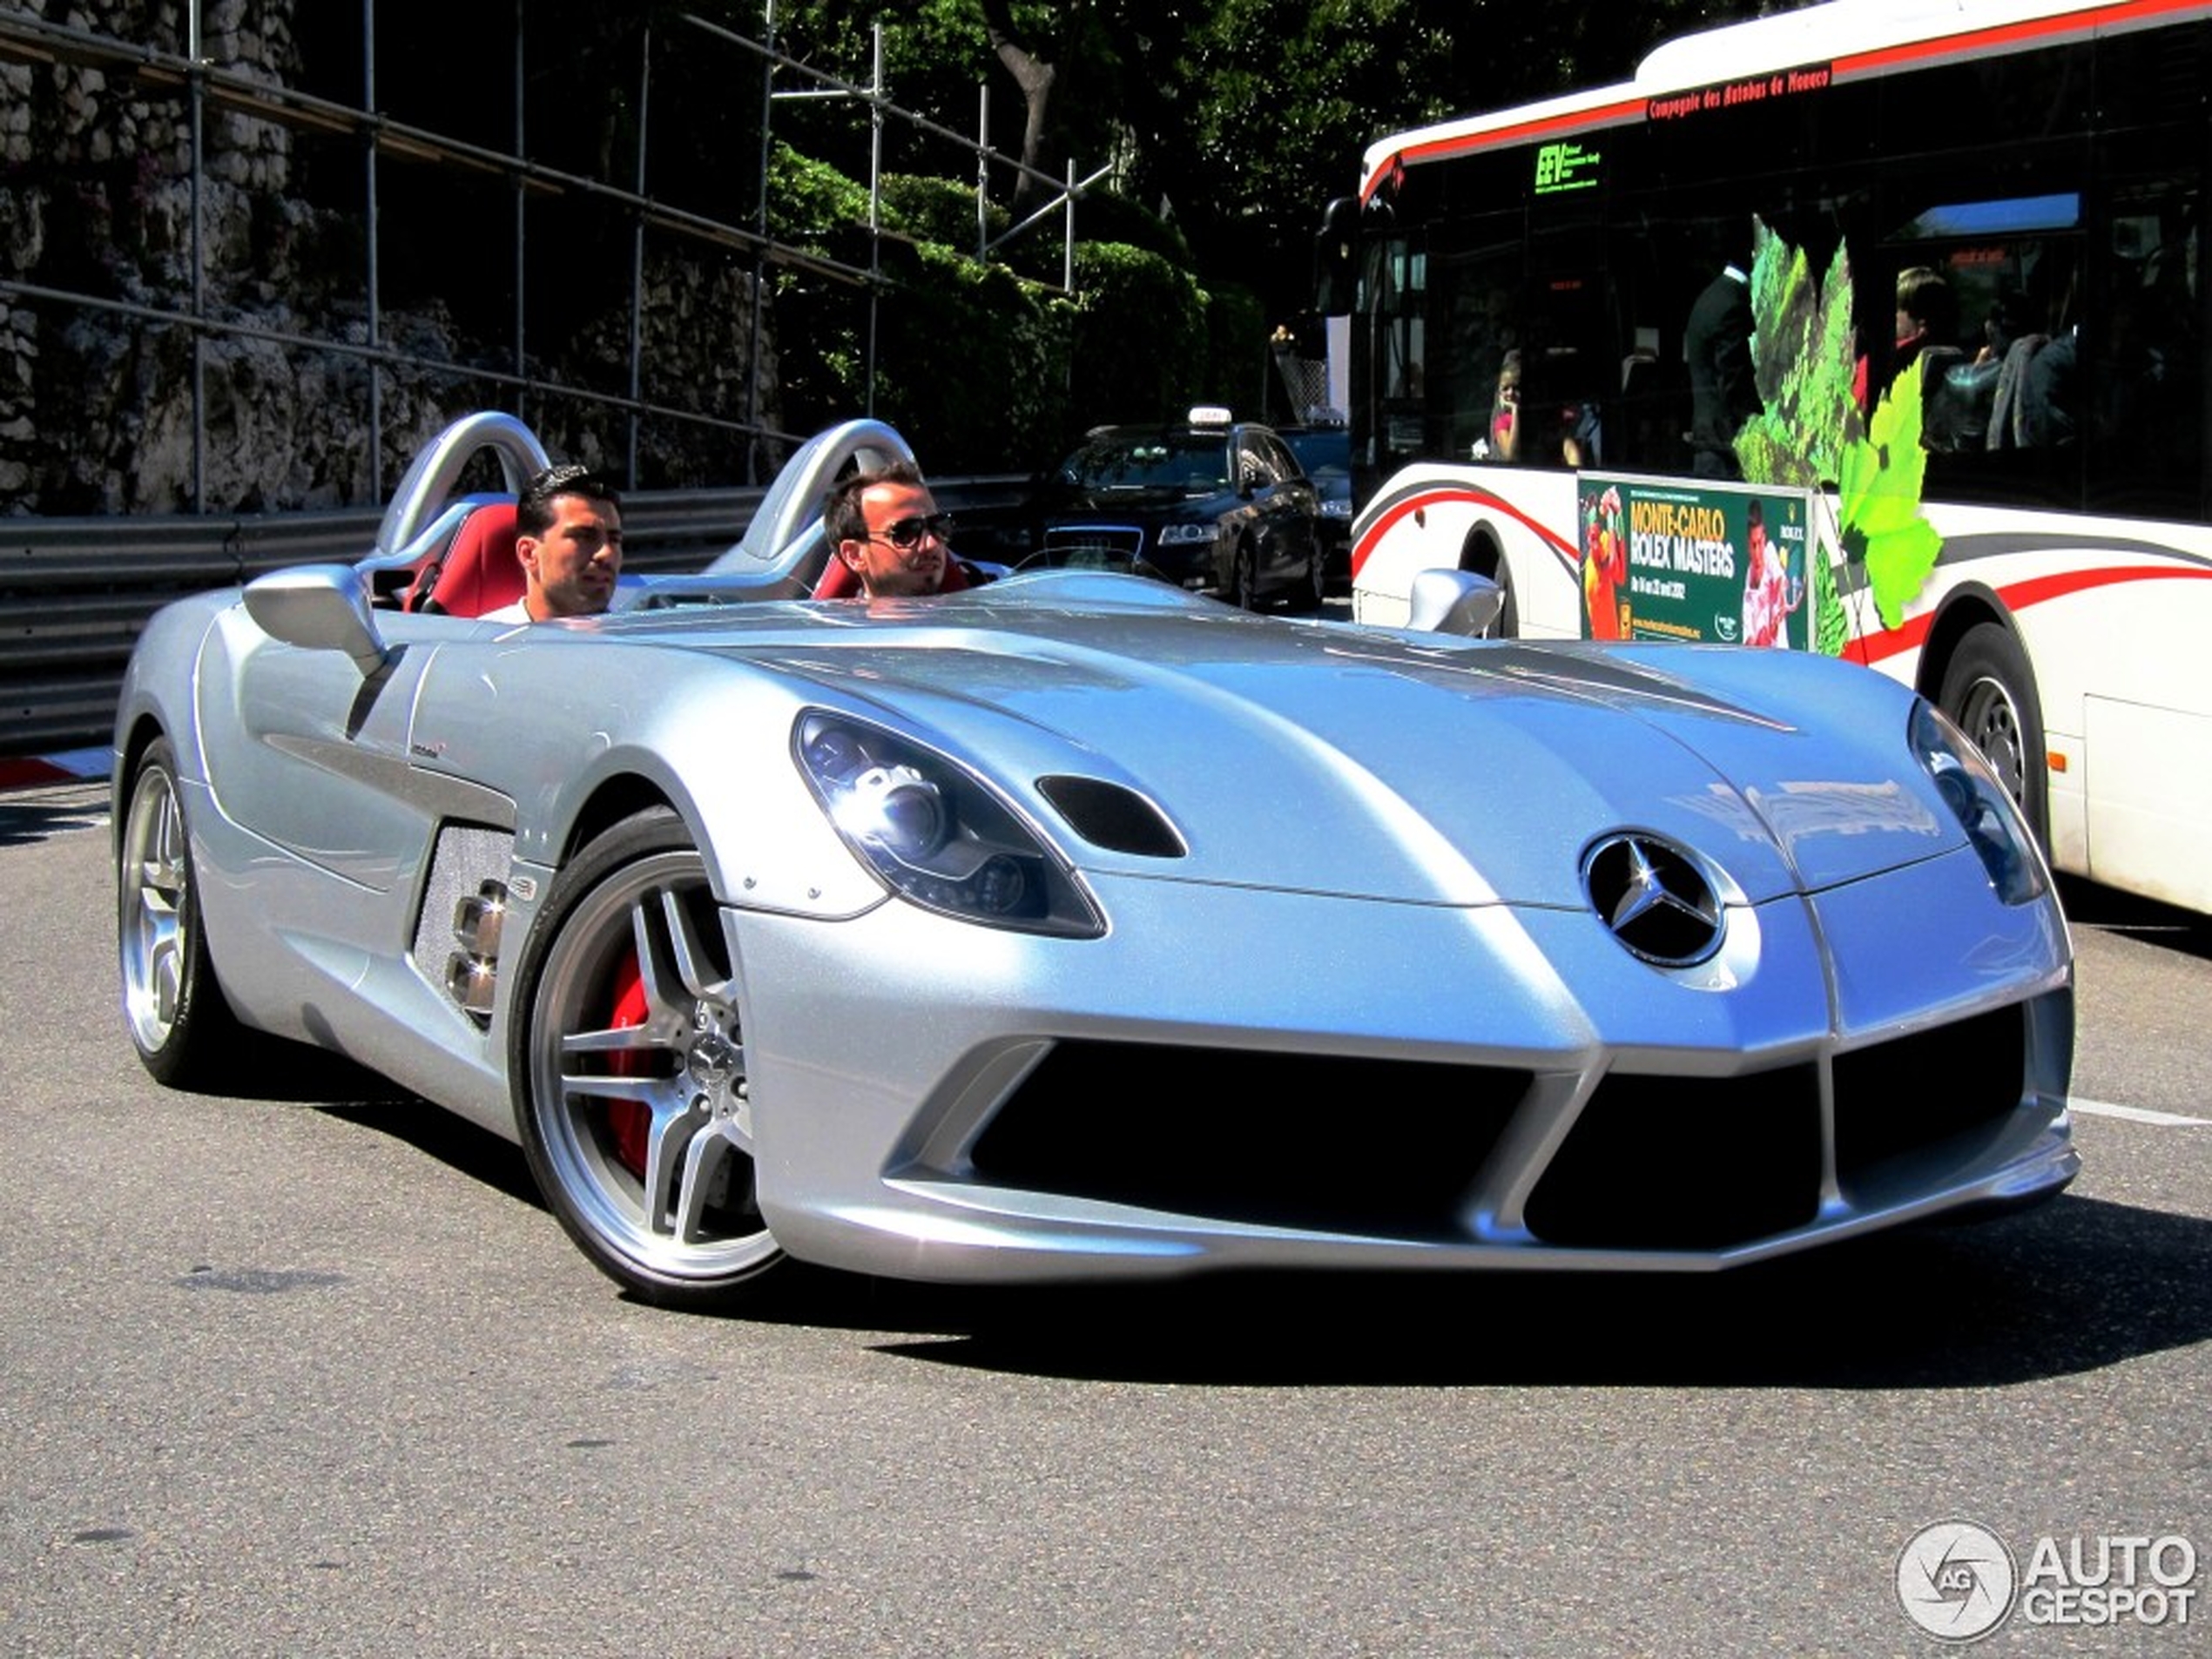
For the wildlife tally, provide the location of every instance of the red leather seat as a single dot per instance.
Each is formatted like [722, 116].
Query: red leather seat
[840, 581]
[479, 572]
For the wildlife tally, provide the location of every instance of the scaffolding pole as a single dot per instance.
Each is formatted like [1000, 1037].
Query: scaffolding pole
[637, 254]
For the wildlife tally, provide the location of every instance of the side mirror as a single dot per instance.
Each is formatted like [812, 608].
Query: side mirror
[1454, 602]
[318, 607]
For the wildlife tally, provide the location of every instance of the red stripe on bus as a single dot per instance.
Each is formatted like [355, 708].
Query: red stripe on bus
[2032, 29]
[1893, 642]
[1880, 59]
[1571, 121]
[1872, 648]
[1421, 501]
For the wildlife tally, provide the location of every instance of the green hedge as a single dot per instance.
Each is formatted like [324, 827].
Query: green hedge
[983, 368]
[939, 210]
[810, 200]
[970, 361]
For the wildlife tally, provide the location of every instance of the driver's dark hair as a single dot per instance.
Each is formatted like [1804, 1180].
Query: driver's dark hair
[534, 506]
[1924, 294]
[841, 514]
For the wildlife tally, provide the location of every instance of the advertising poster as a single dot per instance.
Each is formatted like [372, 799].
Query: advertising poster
[1665, 559]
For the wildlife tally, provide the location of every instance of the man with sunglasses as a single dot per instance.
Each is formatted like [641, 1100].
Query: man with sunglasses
[887, 532]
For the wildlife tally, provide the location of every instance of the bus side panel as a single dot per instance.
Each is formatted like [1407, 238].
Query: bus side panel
[2153, 798]
[2133, 722]
[2112, 615]
[1434, 518]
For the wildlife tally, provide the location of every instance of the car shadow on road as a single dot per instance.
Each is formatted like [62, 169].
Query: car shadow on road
[2074, 1287]
[338, 1088]
[2108, 910]
[27, 818]
[478, 1153]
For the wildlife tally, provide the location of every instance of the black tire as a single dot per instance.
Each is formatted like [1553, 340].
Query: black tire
[1482, 557]
[1507, 626]
[607, 1118]
[1310, 593]
[1244, 576]
[1990, 691]
[173, 1004]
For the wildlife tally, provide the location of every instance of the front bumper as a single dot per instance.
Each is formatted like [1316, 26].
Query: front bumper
[1358, 1084]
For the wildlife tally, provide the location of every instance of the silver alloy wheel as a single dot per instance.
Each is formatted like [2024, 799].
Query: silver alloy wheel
[1988, 689]
[155, 920]
[686, 1222]
[1988, 715]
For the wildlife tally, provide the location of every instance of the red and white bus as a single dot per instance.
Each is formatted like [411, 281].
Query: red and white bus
[1965, 441]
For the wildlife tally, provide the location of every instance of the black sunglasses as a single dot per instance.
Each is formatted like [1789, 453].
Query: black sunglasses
[907, 533]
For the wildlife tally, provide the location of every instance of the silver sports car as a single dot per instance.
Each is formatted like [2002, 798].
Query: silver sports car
[1077, 928]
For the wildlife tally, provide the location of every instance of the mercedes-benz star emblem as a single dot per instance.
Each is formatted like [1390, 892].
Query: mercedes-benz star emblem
[1654, 897]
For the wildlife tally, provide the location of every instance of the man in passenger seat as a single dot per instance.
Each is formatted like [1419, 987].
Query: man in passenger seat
[569, 540]
[885, 529]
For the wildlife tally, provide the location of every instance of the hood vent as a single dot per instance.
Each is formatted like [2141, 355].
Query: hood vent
[1113, 816]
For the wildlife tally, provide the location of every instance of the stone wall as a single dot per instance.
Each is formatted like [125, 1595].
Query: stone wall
[96, 404]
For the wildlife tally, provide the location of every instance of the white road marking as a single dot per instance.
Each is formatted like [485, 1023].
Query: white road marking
[2137, 1114]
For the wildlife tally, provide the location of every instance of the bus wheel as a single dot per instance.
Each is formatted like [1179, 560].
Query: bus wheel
[1990, 691]
[1483, 558]
[1507, 626]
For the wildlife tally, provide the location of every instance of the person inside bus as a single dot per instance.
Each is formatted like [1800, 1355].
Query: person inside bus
[2009, 341]
[1959, 394]
[1927, 313]
[1927, 334]
[1554, 434]
[1505, 412]
[1717, 342]
[2018, 415]
[2048, 391]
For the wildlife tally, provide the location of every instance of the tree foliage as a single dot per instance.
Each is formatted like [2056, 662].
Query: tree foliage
[1228, 124]
[1236, 120]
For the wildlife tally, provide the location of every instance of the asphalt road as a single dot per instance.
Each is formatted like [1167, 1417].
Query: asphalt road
[314, 1373]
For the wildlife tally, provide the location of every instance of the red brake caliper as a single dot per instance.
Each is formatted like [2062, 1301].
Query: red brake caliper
[627, 1120]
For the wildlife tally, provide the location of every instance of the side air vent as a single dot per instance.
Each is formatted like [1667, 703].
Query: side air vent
[472, 972]
[1113, 816]
[462, 913]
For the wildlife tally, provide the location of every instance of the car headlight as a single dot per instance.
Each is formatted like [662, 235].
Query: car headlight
[936, 834]
[1176, 534]
[1970, 787]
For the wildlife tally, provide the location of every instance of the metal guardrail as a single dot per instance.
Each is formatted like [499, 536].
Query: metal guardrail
[76, 593]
